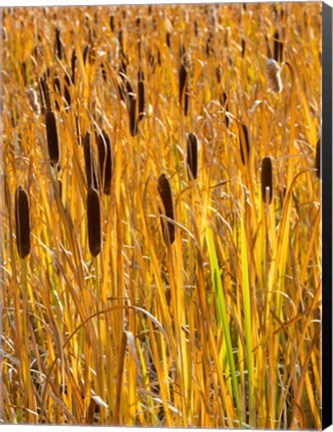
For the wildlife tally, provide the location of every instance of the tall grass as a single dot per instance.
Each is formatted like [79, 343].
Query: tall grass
[215, 319]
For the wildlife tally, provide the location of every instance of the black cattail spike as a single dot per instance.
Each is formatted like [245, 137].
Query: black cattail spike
[94, 222]
[192, 156]
[141, 99]
[318, 164]
[52, 137]
[244, 144]
[182, 83]
[58, 44]
[132, 114]
[267, 179]
[168, 228]
[22, 219]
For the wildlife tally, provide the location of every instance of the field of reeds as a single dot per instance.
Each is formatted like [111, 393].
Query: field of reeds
[161, 216]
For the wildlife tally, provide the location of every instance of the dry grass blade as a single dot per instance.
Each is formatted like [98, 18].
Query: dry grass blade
[52, 137]
[192, 155]
[105, 161]
[267, 178]
[94, 222]
[22, 218]
[168, 228]
[89, 161]
[318, 165]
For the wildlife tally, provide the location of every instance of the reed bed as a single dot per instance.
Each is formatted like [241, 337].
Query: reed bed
[161, 216]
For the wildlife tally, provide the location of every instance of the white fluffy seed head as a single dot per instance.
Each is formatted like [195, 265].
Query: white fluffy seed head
[273, 76]
[32, 98]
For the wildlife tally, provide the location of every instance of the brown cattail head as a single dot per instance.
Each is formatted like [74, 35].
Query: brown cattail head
[266, 179]
[132, 114]
[73, 62]
[22, 219]
[273, 76]
[141, 96]
[278, 47]
[112, 23]
[58, 43]
[105, 161]
[182, 83]
[52, 138]
[168, 228]
[318, 165]
[244, 143]
[192, 155]
[224, 103]
[45, 93]
[94, 222]
[89, 161]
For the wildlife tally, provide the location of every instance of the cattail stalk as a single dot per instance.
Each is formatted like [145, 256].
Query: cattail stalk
[192, 156]
[94, 222]
[52, 138]
[168, 228]
[182, 83]
[22, 219]
[267, 179]
[89, 161]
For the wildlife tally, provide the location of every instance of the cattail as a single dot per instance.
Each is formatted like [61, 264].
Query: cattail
[58, 43]
[94, 222]
[196, 29]
[121, 40]
[105, 161]
[168, 39]
[218, 72]
[273, 76]
[89, 162]
[22, 219]
[67, 94]
[132, 114]
[73, 61]
[85, 53]
[112, 25]
[268, 47]
[192, 155]
[168, 228]
[318, 165]
[182, 83]
[244, 143]
[278, 47]
[141, 95]
[52, 137]
[24, 72]
[33, 100]
[243, 47]
[267, 178]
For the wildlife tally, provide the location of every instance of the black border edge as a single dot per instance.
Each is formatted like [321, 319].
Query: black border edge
[326, 144]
